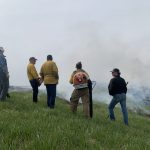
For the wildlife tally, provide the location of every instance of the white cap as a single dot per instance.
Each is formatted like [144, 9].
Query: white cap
[2, 49]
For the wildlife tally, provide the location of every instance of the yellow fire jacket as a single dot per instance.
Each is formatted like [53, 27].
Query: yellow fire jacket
[49, 72]
[31, 72]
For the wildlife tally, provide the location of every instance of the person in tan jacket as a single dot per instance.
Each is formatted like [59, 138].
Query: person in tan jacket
[33, 77]
[79, 79]
[49, 73]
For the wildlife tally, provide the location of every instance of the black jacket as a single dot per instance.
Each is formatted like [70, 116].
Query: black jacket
[117, 85]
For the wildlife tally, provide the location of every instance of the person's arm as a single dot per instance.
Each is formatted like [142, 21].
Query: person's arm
[71, 78]
[4, 67]
[111, 87]
[55, 71]
[125, 87]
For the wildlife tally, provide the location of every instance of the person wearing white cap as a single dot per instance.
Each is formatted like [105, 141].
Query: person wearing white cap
[4, 76]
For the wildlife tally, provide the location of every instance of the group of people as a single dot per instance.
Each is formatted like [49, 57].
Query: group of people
[79, 79]
[81, 82]
[48, 74]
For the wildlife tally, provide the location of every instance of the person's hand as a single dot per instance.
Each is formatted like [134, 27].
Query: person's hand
[38, 78]
[40, 81]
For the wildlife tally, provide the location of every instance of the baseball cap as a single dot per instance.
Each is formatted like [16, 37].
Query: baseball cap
[115, 70]
[32, 58]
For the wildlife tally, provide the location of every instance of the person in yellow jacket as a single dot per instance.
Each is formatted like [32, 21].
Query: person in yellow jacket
[79, 79]
[49, 73]
[33, 77]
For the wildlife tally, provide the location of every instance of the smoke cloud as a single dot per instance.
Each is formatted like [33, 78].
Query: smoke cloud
[100, 55]
[101, 34]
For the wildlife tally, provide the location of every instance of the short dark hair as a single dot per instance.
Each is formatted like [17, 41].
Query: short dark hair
[79, 65]
[49, 57]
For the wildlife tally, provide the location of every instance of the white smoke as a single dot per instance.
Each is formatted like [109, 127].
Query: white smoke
[100, 53]
[101, 34]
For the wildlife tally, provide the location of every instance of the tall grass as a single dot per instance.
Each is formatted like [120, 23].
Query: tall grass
[28, 126]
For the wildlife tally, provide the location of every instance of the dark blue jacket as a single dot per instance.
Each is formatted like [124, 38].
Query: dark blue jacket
[117, 85]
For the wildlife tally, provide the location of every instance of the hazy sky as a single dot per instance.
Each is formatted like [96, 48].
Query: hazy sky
[102, 34]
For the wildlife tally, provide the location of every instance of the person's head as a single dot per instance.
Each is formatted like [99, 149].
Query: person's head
[79, 65]
[115, 72]
[49, 57]
[32, 60]
[2, 50]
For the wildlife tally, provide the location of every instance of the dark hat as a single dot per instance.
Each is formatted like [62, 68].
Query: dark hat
[115, 70]
[49, 57]
[32, 58]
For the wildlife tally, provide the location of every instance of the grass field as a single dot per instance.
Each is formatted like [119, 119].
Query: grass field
[28, 126]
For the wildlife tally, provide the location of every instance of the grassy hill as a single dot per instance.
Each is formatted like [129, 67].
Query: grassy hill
[28, 126]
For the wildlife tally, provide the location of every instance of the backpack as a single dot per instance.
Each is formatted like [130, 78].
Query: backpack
[80, 80]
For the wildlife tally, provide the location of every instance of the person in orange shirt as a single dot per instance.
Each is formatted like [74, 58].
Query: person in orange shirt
[33, 78]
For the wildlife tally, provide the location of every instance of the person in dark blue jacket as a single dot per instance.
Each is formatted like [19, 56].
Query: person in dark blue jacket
[118, 89]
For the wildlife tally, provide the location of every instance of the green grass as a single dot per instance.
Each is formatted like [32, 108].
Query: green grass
[28, 126]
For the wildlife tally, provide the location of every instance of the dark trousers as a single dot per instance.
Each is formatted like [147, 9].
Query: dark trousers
[35, 85]
[51, 95]
[4, 86]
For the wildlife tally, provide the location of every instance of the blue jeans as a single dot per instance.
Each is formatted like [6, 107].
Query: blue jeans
[118, 98]
[51, 95]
